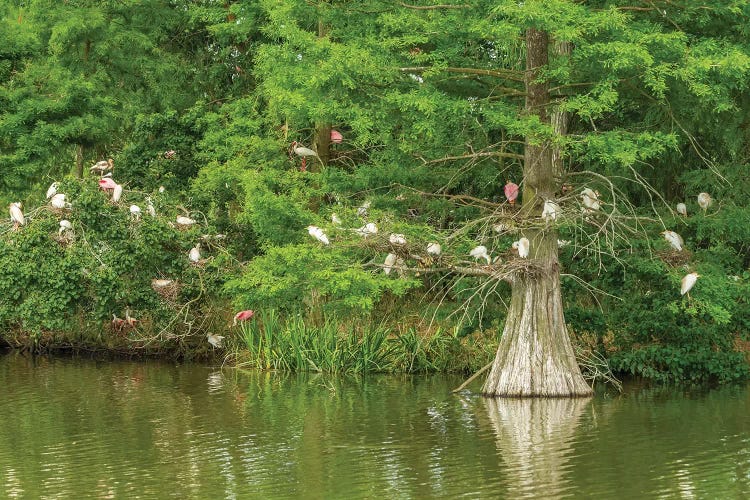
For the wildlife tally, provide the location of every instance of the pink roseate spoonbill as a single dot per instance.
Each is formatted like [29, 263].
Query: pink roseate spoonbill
[318, 234]
[336, 137]
[217, 341]
[551, 210]
[590, 199]
[688, 281]
[704, 201]
[390, 261]
[434, 249]
[102, 166]
[16, 215]
[682, 209]
[243, 316]
[117, 323]
[107, 184]
[673, 239]
[302, 152]
[511, 192]
[480, 252]
[52, 190]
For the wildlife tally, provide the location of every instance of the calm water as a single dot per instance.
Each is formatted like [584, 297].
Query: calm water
[87, 429]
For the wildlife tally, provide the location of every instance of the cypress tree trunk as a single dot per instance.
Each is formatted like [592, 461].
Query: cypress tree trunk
[535, 357]
[79, 161]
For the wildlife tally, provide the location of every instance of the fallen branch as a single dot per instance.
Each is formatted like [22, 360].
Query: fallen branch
[471, 379]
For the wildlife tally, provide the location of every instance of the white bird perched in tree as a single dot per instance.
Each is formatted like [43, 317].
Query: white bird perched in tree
[16, 214]
[185, 221]
[301, 150]
[480, 252]
[215, 340]
[522, 246]
[318, 234]
[161, 189]
[135, 212]
[362, 210]
[687, 282]
[390, 261]
[551, 210]
[102, 166]
[367, 229]
[397, 239]
[674, 239]
[562, 243]
[682, 209]
[52, 189]
[434, 249]
[335, 219]
[704, 201]
[150, 207]
[195, 254]
[590, 199]
[65, 225]
[117, 193]
[58, 201]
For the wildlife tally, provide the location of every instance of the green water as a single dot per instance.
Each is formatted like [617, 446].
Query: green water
[88, 429]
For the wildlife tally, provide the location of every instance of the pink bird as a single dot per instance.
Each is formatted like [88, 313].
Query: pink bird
[336, 136]
[107, 183]
[243, 316]
[511, 192]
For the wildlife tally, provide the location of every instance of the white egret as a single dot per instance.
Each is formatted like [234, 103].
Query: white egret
[687, 282]
[390, 261]
[480, 252]
[58, 201]
[215, 340]
[704, 201]
[590, 199]
[65, 225]
[150, 207]
[116, 193]
[161, 189]
[185, 221]
[550, 210]
[195, 254]
[682, 209]
[367, 229]
[523, 247]
[52, 190]
[16, 214]
[673, 239]
[135, 212]
[318, 234]
[434, 249]
[335, 219]
[397, 239]
[562, 243]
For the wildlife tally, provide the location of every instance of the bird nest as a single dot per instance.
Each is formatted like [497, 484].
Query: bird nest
[65, 239]
[674, 258]
[166, 289]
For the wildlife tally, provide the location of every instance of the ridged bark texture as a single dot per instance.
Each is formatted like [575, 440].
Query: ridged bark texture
[535, 357]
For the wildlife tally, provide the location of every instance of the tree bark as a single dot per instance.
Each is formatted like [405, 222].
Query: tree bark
[535, 357]
[79, 161]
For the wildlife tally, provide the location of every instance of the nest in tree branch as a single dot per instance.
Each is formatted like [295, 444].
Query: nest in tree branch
[166, 289]
[65, 239]
[674, 258]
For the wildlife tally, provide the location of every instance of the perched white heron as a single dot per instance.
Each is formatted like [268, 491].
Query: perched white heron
[434, 249]
[215, 340]
[682, 209]
[318, 234]
[562, 243]
[65, 225]
[335, 219]
[367, 229]
[551, 210]
[522, 245]
[704, 201]
[117, 193]
[162, 189]
[58, 201]
[397, 239]
[150, 208]
[16, 214]
[590, 199]
[185, 221]
[52, 189]
[135, 212]
[195, 254]
[390, 261]
[673, 239]
[688, 281]
[480, 252]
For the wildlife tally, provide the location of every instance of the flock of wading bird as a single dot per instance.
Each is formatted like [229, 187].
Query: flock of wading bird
[164, 287]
